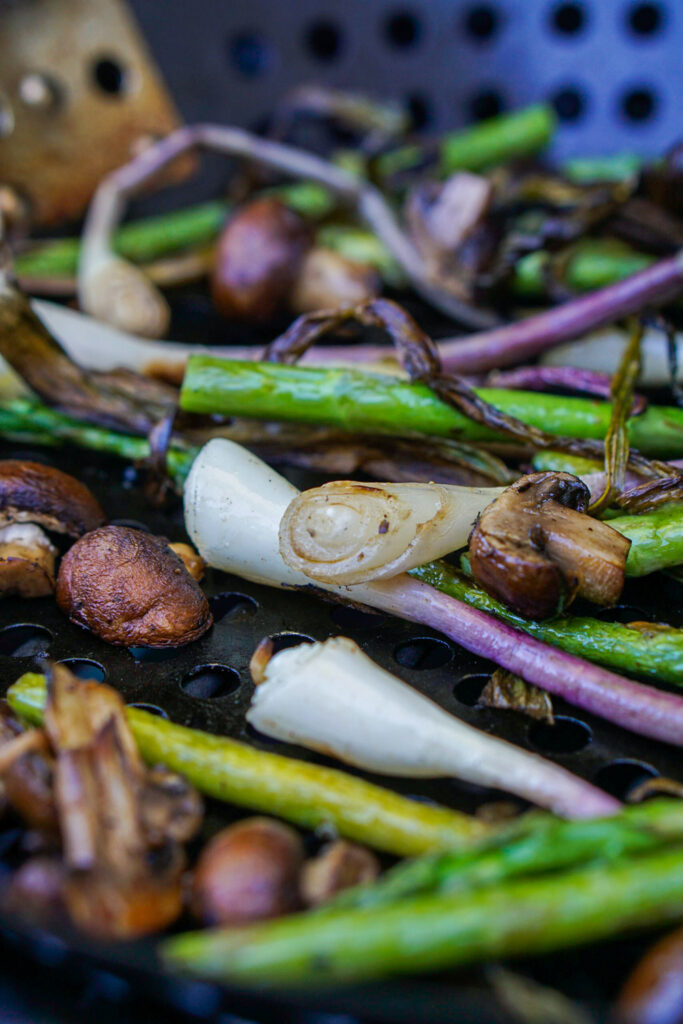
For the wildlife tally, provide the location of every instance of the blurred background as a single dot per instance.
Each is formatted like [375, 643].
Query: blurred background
[612, 68]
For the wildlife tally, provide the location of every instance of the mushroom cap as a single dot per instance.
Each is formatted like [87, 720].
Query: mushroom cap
[534, 548]
[131, 589]
[248, 872]
[258, 259]
[33, 493]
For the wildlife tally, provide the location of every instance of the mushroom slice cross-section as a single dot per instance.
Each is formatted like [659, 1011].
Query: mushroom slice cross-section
[535, 548]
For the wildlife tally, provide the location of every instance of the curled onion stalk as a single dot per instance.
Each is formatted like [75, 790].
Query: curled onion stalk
[234, 504]
[346, 532]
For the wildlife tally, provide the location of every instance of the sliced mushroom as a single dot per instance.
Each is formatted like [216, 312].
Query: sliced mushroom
[535, 549]
[258, 259]
[27, 561]
[171, 809]
[33, 493]
[114, 887]
[130, 588]
[337, 867]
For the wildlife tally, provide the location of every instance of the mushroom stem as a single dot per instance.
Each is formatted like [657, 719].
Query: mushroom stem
[332, 698]
[346, 532]
[234, 504]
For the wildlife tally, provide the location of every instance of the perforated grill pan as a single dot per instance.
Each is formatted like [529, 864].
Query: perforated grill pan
[207, 686]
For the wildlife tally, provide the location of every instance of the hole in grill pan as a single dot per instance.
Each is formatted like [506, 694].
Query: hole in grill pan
[152, 709]
[132, 524]
[402, 29]
[208, 682]
[423, 652]
[568, 19]
[485, 104]
[622, 613]
[25, 640]
[565, 736]
[645, 19]
[468, 689]
[84, 668]
[620, 777]
[324, 40]
[152, 654]
[482, 22]
[639, 104]
[281, 641]
[353, 618]
[569, 103]
[250, 54]
[232, 605]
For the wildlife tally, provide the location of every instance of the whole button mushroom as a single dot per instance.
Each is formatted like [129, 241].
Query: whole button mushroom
[258, 259]
[248, 872]
[535, 549]
[131, 589]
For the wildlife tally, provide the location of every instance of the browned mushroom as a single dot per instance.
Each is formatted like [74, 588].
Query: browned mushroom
[258, 259]
[328, 280]
[33, 493]
[193, 562]
[129, 588]
[338, 866]
[26, 770]
[36, 890]
[535, 549]
[113, 887]
[248, 872]
[27, 561]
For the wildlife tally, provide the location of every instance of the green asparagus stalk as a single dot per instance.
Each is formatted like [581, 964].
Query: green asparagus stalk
[561, 462]
[520, 133]
[656, 539]
[306, 794]
[359, 244]
[616, 167]
[648, 649]
[594, 263]
[520, 917]
[31, 420]
[370, 403]
[535, 844]
[140, 241]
